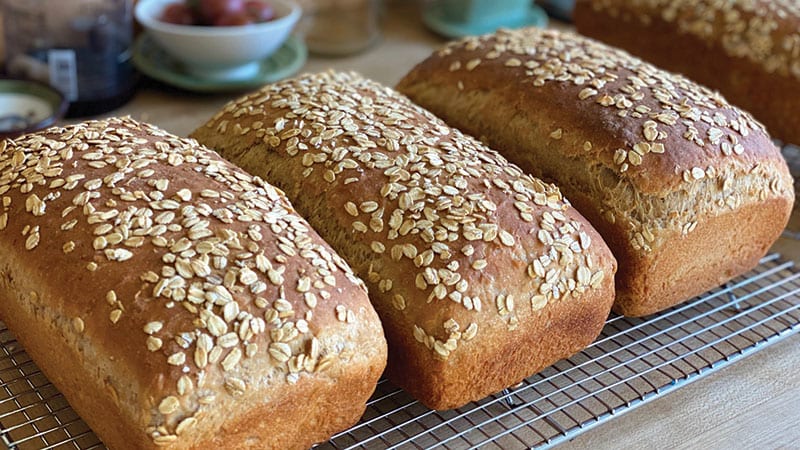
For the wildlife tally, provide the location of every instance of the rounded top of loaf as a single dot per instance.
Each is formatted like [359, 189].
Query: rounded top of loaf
[200, 280]
[457, 241]
[654, 128]
[764, 32]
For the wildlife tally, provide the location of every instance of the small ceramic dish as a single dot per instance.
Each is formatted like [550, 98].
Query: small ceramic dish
[219, 53]
[27, 106]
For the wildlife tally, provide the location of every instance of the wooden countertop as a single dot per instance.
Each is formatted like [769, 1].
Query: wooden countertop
[755, 403]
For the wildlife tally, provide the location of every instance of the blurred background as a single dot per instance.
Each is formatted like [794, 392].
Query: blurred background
[90, 50]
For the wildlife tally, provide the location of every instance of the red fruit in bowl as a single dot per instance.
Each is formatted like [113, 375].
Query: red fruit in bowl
[177, 13]
[259, 11]
[213, 10]
[233, 20]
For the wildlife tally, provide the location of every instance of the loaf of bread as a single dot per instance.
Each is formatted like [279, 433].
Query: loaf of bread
[481, 275]
[687, 190]
[175, 300]
[749, 50]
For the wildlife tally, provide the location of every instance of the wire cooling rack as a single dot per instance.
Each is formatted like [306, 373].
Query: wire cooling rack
[633, 362]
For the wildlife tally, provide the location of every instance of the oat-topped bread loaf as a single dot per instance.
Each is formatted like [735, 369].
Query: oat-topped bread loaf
[175, 300]
[747, 49]
[481, 275]
[687, 190]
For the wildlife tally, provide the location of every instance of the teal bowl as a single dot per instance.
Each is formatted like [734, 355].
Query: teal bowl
[482, 10]
[458, 18]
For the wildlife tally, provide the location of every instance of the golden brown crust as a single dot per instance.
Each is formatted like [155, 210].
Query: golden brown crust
[645, 155]
[708, 265]
[474, 267]
[746, 49]
[179, 305]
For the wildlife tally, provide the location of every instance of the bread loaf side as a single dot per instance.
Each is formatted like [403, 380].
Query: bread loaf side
[175, 300]
[747, 50]
[481, 275]
[687, 190]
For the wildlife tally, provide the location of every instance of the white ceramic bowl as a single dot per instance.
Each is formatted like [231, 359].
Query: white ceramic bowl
[219, 52]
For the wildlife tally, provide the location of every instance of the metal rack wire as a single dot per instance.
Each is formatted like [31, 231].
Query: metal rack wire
[633, 362]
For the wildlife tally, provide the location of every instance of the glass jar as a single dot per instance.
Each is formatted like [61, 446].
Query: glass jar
[80, 47]
[340, 27]
[560, 9]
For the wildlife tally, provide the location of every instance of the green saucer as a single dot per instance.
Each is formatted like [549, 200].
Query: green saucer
[154, 62]
[436, 19]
